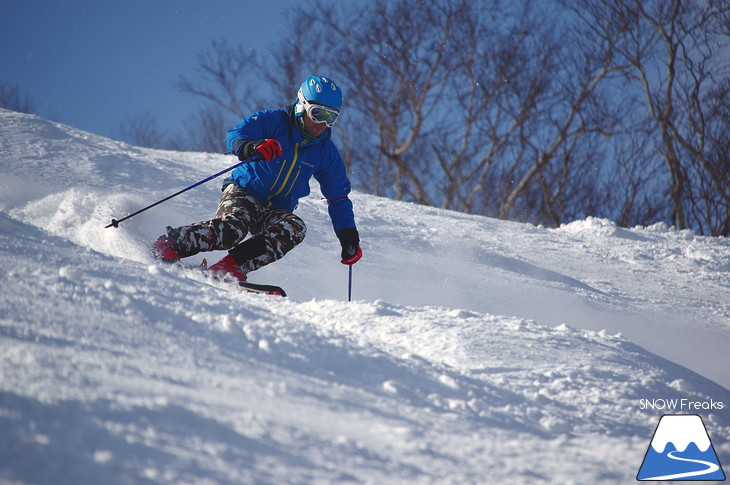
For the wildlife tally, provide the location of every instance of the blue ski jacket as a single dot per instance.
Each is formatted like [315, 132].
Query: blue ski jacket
[281, 182]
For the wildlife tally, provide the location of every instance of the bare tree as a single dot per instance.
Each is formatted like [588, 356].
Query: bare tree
[708, 208]
[500, 110]
[234, 81]
[13, 99]
[221, 77]
[143, 130]
[205, 130]
[470, 107]
[672, 50]
[398, 60]
[566, 115]
[226, 83]
[295, 57]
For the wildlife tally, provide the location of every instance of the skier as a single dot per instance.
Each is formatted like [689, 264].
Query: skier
[259, 198]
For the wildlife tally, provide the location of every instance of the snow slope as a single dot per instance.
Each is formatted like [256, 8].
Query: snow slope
[477, 350]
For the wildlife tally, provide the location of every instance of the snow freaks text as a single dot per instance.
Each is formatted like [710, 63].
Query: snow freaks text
[676, 404]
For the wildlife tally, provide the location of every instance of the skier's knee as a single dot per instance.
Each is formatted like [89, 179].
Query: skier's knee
[287, 234]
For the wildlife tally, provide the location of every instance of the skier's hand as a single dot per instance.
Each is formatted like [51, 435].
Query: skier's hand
[352, 259]
[350, 241]
[269, 149]
[243, 148]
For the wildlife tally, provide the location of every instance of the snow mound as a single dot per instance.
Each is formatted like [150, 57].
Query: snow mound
[475, 348]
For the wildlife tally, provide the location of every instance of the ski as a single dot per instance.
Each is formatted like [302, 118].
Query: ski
[202, 268]
[265, 289]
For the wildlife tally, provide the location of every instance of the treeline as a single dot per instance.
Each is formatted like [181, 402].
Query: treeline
[538, 111]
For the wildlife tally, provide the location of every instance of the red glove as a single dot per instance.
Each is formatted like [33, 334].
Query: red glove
[269, 149]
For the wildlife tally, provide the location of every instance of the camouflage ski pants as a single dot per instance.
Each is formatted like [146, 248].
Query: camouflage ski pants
[274, 232]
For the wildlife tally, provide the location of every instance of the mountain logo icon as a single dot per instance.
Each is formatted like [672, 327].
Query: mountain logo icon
[680, 450]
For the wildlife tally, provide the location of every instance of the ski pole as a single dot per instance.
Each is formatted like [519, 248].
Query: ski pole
[349, 286]
[115, 222]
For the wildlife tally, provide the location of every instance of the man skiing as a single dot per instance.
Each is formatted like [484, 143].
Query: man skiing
[259, 198]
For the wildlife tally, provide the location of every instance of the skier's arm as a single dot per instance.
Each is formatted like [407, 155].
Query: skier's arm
[243, 148]
[335, 187]
[249, 137]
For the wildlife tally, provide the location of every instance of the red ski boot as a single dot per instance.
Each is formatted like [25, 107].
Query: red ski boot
[227, 267]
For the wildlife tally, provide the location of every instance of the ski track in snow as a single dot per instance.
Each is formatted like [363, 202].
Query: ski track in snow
[477, 350]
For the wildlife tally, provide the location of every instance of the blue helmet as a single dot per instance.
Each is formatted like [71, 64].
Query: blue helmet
[322, 91]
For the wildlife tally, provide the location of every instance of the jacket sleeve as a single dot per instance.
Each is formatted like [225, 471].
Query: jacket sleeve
[335, 186]
[251, 128]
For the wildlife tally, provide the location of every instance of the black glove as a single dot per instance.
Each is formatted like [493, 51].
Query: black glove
[243, 148]
[350, 241]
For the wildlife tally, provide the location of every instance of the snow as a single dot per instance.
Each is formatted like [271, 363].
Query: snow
[476, 350]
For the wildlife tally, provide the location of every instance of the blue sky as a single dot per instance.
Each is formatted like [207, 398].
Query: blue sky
[94, 63]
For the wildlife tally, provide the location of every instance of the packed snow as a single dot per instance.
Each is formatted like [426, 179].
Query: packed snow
[474, 350]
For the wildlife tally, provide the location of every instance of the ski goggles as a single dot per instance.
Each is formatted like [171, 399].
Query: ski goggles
[321, 114]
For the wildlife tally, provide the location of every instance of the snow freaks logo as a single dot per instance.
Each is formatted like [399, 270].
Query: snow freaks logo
[680, 450]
